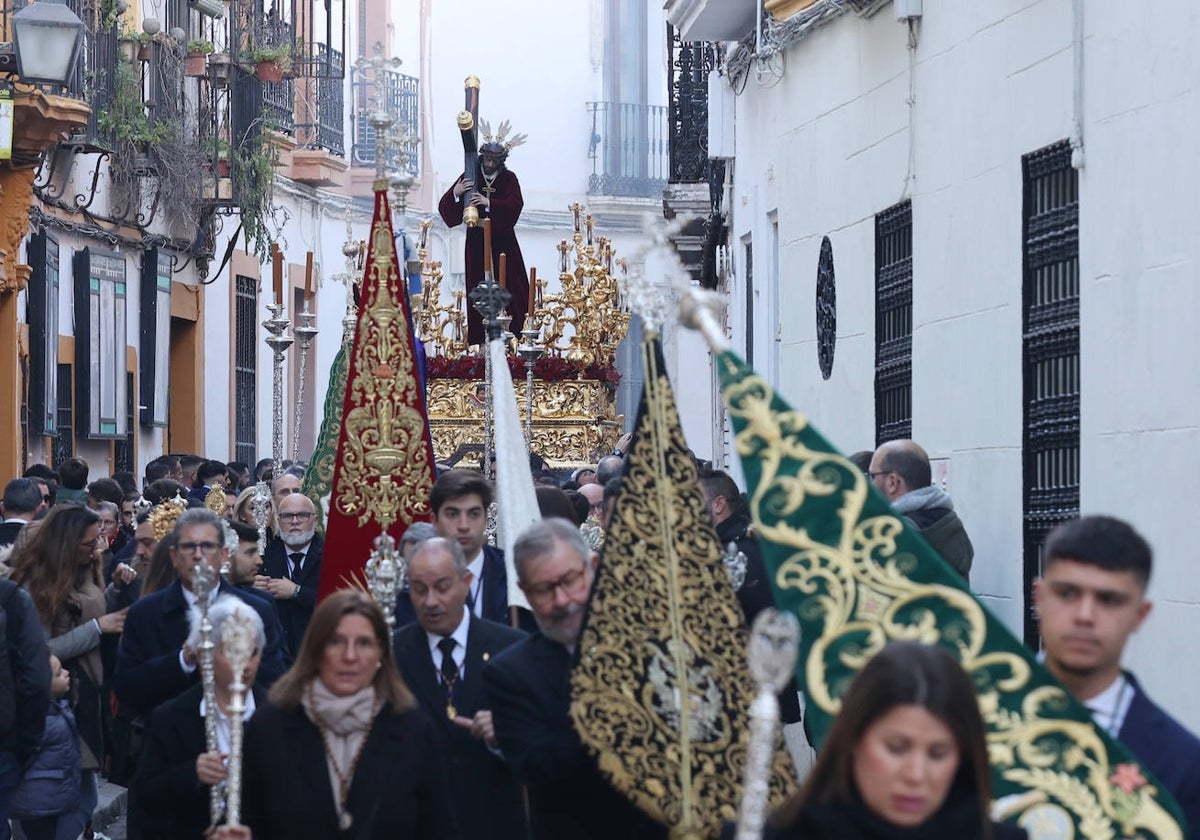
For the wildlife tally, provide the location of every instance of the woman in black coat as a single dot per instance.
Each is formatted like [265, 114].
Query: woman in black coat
[905, 759]
[341, 750]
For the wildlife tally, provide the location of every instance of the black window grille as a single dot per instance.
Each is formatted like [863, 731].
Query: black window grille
[1050, 306]
[64, 442]
[24, 410]
[893, 323]
[124, 452]
[687, 120]
[245, 366]
[401, 95]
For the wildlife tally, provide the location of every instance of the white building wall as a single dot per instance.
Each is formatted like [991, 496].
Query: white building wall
[824, 143]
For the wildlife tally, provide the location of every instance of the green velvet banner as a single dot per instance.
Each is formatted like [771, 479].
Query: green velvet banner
[845, 564]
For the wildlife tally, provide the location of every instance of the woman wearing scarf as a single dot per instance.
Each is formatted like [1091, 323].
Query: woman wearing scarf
[60, 567]
[341, 749]
[905, 758]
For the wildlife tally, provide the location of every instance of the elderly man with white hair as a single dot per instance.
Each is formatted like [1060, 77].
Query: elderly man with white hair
[176, 771]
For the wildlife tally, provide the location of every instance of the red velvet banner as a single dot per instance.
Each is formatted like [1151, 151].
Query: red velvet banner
[385, 467]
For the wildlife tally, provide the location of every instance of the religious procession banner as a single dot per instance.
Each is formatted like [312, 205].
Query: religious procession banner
[856, 578]
[663, 623]
[317, 483]
[384, 467]
[518, 508]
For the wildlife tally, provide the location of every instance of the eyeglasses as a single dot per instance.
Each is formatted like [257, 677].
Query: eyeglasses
[875, 475]
[295, 517]
[207, 548]
[571, 584]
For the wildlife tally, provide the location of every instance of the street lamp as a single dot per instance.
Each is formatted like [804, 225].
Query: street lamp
[48, 38]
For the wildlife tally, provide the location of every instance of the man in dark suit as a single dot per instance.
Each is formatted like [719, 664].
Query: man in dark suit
[154, 663]
[208, 475]
[22, 502]
[527, 688]
[1090, 599]
[292, 567]
[441, 657]
[460, 500]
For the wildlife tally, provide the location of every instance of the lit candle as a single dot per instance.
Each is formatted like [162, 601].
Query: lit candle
[277, 271]
[308, 265]
[533, 286]
[504, 271]
[487, 247]
[425, 226]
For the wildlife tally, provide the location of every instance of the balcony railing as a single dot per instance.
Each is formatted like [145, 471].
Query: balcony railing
[628, 149]
[401, 98]
[688, 69]
[320, 125]
[279, 106]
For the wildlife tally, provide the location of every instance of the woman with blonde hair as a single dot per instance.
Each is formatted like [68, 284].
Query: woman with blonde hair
[60, 566]
[341, 749]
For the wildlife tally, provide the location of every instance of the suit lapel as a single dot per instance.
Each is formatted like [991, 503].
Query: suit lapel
[494, 589]
[311, 573]
[477, 649]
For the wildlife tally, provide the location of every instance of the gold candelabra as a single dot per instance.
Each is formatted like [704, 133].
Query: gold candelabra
[583, 322]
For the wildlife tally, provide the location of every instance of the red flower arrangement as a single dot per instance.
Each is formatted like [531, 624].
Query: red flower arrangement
[547, 369]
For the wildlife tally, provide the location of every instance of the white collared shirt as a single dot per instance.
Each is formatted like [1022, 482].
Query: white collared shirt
[289, 551]
[460, 647]
[223, 721]
[1111, 705]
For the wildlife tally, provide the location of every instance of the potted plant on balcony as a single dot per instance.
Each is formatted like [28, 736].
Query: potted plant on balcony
[196, 61]
[272, 63]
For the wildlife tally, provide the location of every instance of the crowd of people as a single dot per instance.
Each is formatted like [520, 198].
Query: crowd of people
[456, 723]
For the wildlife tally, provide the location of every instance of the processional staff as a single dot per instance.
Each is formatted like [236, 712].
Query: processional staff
[204, 582]
[239, 638]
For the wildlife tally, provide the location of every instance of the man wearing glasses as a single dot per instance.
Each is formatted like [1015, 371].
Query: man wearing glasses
[154, 663]
[292, 567]
[526, 687]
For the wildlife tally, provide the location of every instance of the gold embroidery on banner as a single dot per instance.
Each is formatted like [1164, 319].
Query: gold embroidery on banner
[663, 651]
[383, 426]
[854, 579]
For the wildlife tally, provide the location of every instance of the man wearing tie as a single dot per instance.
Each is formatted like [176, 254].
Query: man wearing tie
[441, 658]
[460, 500]
[292, 567]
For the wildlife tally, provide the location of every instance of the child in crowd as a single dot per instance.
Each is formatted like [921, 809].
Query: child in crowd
[50, 787]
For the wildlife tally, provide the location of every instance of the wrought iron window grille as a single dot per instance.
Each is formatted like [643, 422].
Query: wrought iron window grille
[1050, 353]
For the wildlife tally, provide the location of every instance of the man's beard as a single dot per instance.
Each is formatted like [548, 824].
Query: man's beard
[553, 629]
[298, 540]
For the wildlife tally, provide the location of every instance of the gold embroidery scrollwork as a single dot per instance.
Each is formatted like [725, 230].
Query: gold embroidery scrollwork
[856, 580]
[663, 623]
[383, 429]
